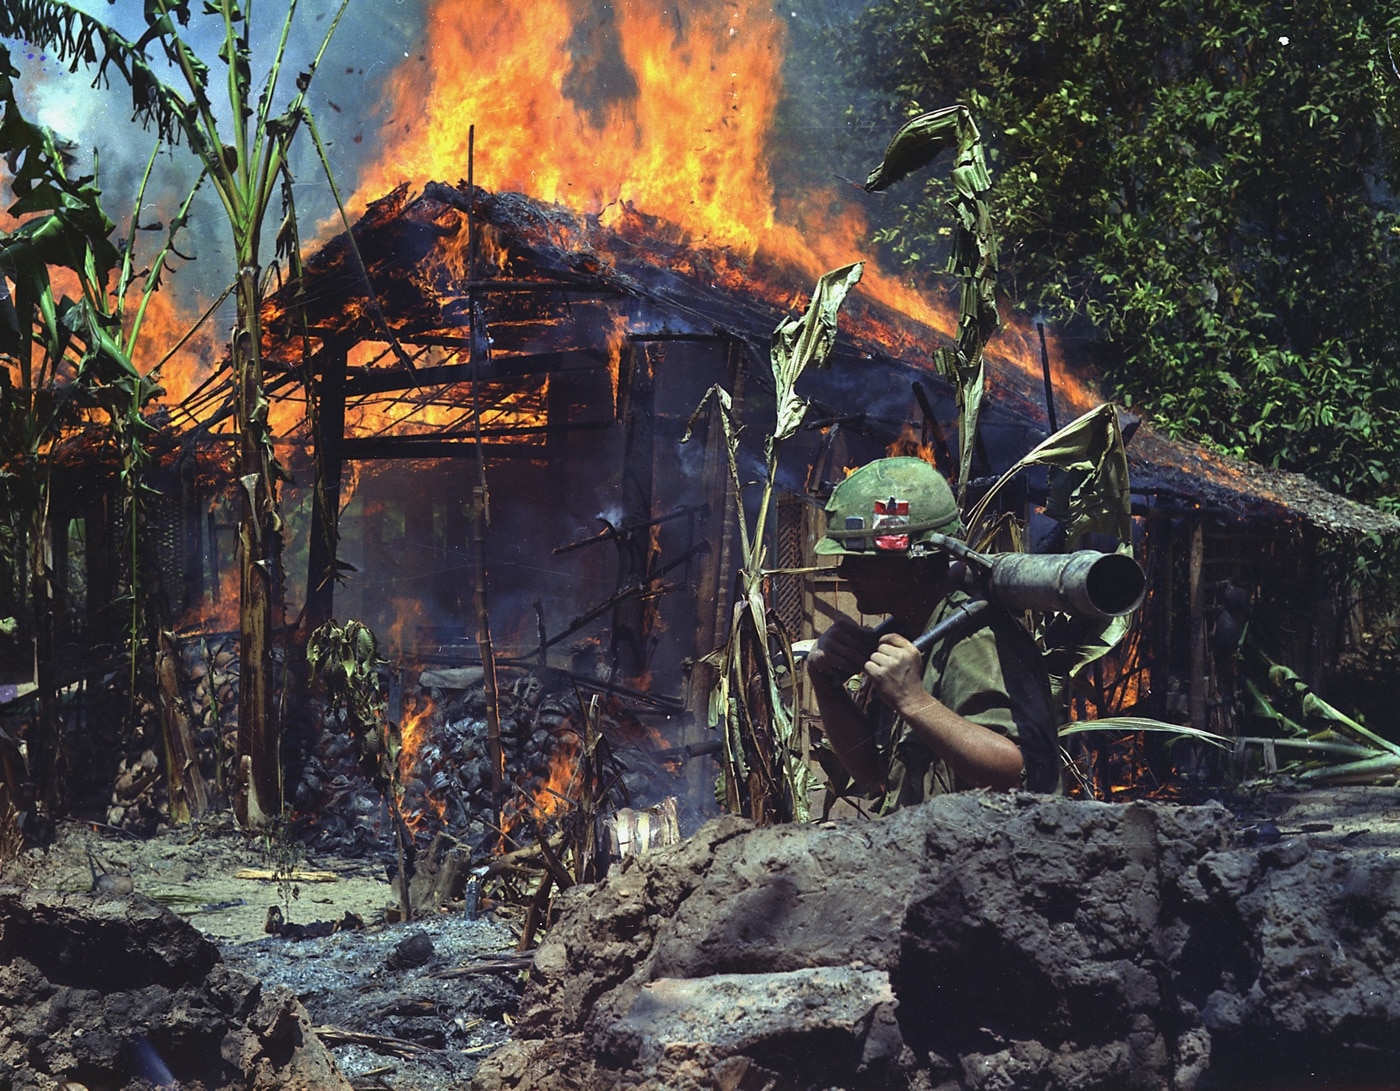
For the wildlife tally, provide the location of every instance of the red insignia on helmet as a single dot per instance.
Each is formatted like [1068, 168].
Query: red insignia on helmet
[890, 515]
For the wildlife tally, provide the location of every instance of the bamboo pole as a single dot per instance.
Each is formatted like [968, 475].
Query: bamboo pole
[488, 658]
[481, 519]
[325, 510]
[1198, 625]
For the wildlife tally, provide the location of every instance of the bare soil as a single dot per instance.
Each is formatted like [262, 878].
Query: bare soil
[396, 1003]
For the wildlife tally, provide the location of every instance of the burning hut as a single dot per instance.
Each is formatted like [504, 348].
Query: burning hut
[501, 387]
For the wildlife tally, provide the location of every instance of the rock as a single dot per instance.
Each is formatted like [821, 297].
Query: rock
[978, 941]
[451, 678]
[411, 951]
[124, 993]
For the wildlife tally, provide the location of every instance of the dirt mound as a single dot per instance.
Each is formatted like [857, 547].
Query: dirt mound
[113, 991]
[977, 942]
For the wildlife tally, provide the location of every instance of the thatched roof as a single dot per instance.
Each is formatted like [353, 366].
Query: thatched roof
[545, 277]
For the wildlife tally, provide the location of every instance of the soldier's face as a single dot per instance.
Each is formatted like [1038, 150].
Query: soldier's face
[878, 583]
[889, 584]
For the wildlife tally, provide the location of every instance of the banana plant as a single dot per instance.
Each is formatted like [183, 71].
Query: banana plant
[68, 364]
[243, 151]
[765, 775]
[974, 254]
[345, 660]
[1331, 747]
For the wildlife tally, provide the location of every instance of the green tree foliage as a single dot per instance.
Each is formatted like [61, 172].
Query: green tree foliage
[1206, 186]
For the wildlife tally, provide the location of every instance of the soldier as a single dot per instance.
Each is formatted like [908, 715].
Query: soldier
[976, 711]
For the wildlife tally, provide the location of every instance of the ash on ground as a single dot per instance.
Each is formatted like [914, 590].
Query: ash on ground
[425, 1023]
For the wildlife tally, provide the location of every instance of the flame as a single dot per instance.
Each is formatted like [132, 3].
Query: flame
[217, 609]
[506, 407]
[560, 785]
[415, 729]
[407, 613]
[911, 444]
[666, 109]
[616, 340]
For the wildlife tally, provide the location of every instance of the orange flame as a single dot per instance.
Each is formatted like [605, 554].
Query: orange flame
[910, 443]
[561, 782]
[676, 125]
[664, 108]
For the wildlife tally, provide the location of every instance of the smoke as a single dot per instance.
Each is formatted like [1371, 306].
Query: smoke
[96, 119]
[599, 77]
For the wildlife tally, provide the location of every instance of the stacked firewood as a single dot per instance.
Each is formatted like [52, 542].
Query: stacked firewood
[139, 802]
[206, 690]
[541, 730]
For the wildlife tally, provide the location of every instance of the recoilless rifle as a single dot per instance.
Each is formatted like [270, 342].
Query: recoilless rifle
[1085, 583]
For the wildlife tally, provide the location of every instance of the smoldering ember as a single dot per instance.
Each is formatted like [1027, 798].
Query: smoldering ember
[428, 705]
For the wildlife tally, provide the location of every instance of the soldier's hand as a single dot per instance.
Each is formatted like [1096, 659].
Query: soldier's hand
[896, 670]
[841, 651]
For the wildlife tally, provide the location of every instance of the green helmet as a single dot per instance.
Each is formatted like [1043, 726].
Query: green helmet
[890, 506]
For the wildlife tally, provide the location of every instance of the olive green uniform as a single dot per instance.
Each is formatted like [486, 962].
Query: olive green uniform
[993, 677]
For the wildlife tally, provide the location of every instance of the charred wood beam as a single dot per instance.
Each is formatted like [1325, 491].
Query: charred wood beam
[421, 319]
[610, 532]
[698, 338]
[360, 382]
[942, 453]
[631, 621]
[371, 449]
[1196, 604]
[321, 565]
[580, 289]
[636, 590]
[455, 444]
[483, 642]
[668, 705]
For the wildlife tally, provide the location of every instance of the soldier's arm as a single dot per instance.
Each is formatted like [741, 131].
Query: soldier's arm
[978, 756]
[838, 655]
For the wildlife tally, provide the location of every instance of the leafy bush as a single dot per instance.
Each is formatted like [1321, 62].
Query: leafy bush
[1205, 187]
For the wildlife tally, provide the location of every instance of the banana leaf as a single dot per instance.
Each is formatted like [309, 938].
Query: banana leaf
[1089, 492]
[764, 773]
[974, 253]
[1089, 487]
[798, 342]
[1143, 723]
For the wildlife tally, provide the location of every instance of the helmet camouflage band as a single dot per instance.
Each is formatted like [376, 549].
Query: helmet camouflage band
[890, 506]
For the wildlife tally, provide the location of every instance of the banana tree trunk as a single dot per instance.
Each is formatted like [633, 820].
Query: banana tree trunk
[46, 755]
[259, 798]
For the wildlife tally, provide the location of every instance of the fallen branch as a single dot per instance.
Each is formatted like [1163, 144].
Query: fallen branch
[512, 860]
[500, 964]
[297, 876]
[378, 1043]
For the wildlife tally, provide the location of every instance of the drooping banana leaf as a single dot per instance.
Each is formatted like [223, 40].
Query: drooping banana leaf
[1144, 723]
[764, 773]
[1089, 492]
[1089, 488]
[974, 253]
[1318, 728]
[799, 342]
